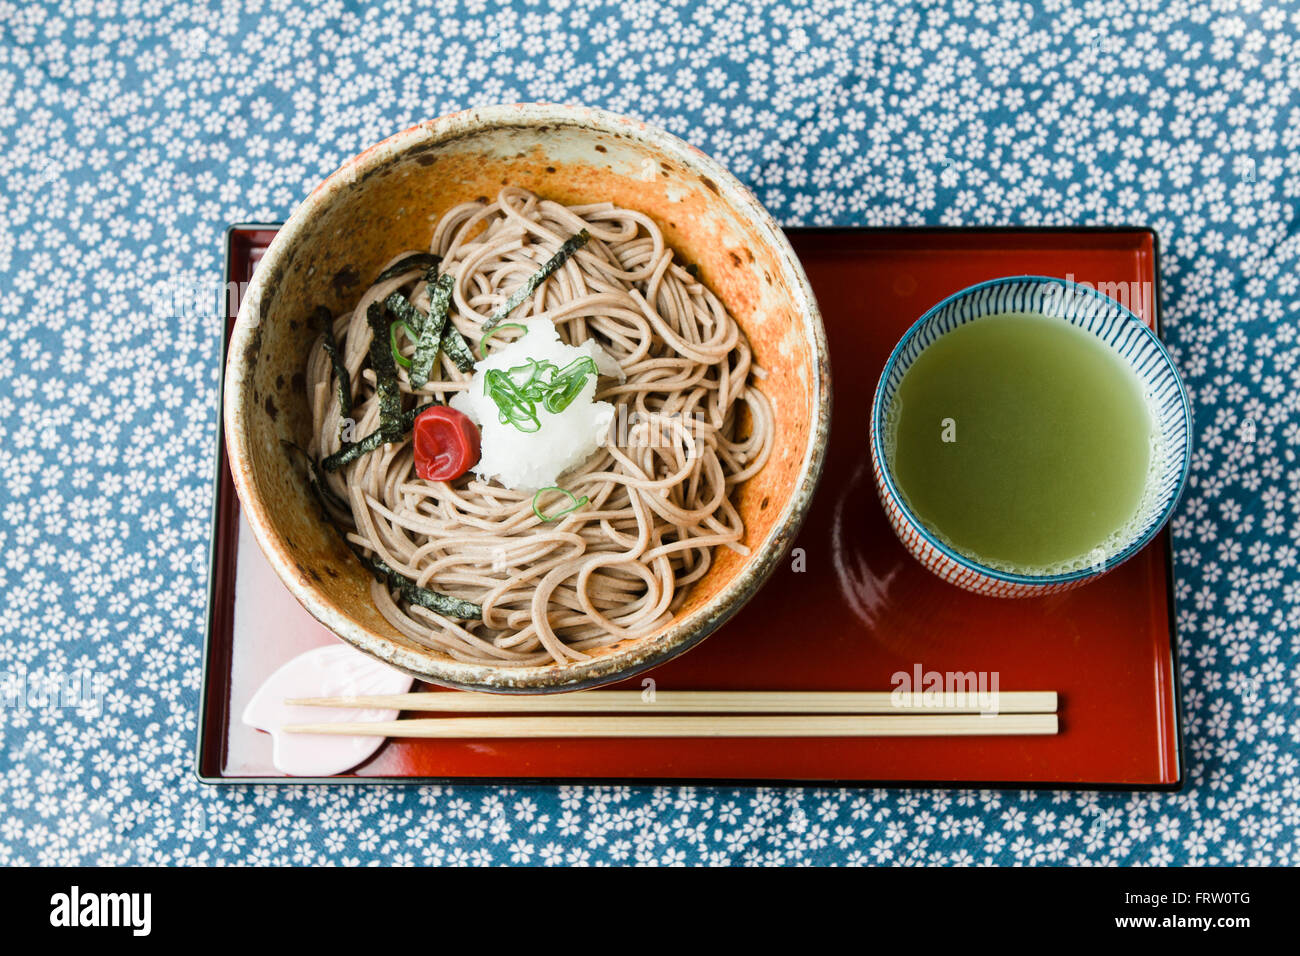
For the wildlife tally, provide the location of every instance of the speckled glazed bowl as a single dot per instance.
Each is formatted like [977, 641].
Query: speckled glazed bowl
[386, 200]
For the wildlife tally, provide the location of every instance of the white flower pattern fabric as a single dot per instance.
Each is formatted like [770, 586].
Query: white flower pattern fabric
[133, 133]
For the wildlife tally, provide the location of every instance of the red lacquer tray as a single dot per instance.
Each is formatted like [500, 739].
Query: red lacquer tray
[1108, 648]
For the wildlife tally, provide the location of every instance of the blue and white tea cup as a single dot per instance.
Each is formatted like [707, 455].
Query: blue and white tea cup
[1122, 332]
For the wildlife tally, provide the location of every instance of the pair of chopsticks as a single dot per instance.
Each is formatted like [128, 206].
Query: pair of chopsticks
[626, 713]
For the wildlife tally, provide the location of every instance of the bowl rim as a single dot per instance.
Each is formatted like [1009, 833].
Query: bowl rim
[967, 563]
[643, 653]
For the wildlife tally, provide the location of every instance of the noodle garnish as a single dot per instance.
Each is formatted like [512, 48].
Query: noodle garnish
[430, 336]
[482, 342]
[396, 349]
[457, 349]
[388, 393]
[326, 323]
[568, 248]
[574, 503]
[417, 260]
[410, 591]
[351, 451]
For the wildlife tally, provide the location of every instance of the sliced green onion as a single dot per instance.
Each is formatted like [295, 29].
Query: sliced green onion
[574, 503]
[567, 383]
[396, 349]
[583, 365]
[482, 343]
[570, 246]
[517, 391]
[534, 387]
[513, 406]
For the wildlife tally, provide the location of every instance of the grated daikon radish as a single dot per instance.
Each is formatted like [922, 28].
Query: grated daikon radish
[530, 460]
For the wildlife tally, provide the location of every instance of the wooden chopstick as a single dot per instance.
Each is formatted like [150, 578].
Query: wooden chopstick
[695, 702]
[939, 725]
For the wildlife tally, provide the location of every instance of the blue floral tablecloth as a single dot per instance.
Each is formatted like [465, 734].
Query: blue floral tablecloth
[133, 131]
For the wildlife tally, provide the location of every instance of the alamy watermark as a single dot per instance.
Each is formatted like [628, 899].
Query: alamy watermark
[185, 299]
[1137, 296]
[919, 688]
[79, 690]
[133, 911]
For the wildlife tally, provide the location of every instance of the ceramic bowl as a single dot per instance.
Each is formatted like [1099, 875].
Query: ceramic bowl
[387, 200]
[1121, 331]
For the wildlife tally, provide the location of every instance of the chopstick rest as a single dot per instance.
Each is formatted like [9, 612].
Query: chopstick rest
[335, 668]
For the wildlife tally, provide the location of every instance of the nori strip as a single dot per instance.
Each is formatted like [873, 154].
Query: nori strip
[457, 349]
[411, 592]
[418, 260]
[325, 319]
[430, 336]
[401, 307]
[324, 495]
[452, 342]
[570, 246]
[387, 391]
[351, 451]
[407, 315]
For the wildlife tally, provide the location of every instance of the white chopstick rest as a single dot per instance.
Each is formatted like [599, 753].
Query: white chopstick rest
[335, 669]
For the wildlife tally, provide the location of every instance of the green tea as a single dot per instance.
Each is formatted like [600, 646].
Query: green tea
[1022, 441]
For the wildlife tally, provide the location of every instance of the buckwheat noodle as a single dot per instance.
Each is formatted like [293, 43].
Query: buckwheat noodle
[659, 490]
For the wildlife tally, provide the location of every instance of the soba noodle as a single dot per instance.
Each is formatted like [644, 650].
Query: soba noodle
[690, 427]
